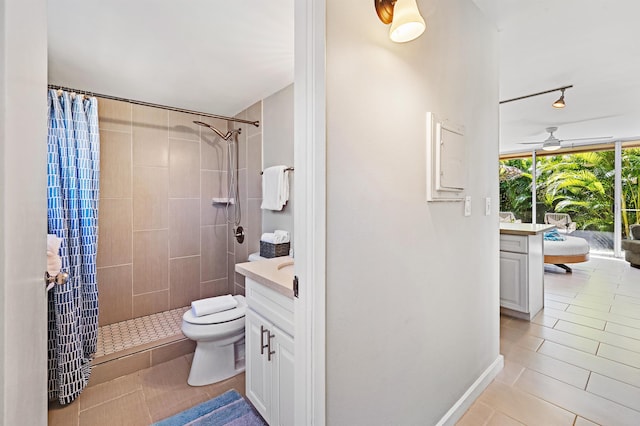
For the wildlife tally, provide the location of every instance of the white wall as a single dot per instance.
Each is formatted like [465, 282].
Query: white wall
[23, 215]
[277, 149]
[412, 287]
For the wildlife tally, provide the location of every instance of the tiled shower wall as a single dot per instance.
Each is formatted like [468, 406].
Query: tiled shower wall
[161, 242]
[250, 167]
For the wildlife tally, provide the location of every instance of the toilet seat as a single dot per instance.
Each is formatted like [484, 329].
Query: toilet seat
[219, 317]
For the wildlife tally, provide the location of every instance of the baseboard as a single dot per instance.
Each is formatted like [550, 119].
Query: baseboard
[462, 405]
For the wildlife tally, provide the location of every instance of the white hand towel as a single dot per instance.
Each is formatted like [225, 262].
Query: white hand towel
[280, 236]
[54, 263]
[213, 305]
[268, 237]
[275, 189]
[285, 187]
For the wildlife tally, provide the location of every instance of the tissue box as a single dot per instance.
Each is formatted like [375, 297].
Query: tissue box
[270, 250]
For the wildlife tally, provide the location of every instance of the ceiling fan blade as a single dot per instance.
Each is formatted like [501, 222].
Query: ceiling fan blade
[531, 143]
[586, 139]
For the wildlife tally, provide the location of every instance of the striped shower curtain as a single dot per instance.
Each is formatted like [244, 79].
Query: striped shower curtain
[73, 171]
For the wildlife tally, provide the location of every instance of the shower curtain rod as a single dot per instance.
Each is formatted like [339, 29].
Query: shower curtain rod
[132, 101]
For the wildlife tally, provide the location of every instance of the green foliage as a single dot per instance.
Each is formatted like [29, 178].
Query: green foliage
[581, 185]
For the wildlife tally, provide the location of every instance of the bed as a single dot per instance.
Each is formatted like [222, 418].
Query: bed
[571, 250]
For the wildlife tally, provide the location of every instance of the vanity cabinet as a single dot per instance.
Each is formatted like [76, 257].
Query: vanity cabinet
[513, 281]
[270, 353]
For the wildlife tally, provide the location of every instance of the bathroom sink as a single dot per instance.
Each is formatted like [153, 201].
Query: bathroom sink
[286, 266]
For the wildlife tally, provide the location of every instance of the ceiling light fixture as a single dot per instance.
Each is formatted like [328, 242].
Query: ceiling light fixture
[557, 104]
[560, 102]
[551, 146]
[406, 22]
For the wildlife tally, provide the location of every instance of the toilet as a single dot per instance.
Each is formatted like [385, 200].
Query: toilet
[253, 257]
[219, 340]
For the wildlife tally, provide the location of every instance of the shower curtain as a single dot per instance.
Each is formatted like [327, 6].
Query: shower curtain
[73, 171]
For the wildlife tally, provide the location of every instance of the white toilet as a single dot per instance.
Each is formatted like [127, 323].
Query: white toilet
[219, 344]
[253, 257]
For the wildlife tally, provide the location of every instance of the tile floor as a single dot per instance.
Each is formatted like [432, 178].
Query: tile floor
[140, 398]
[578, 361]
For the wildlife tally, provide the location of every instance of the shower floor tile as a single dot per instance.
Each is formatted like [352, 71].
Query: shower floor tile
[126, 335]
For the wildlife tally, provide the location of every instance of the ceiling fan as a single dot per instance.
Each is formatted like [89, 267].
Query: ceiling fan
[552, 143]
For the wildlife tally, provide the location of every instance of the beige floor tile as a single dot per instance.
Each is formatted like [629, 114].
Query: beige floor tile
[163, 378]
[628, 299]
[578, 302]
[558, 291]
[629, 311]
[578, 319]
[614, 390]
[524, 407]
[605, 299]
[236, 382]
[99, 394]
[555, 305]
[119, 367]
[552, 367]
[605, 316]
[478, 414]
[63, 415]
[600, 336]
[593, 363]
[520, 338]
[129, 410]
[510, 372]
[544, 320]
[623, 330]
[584, 404]
[620, 355]
[499, 419]
[161, 408]
[550, 334]
[581, 421]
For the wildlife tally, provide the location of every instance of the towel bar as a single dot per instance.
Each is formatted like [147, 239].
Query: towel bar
[288, 169]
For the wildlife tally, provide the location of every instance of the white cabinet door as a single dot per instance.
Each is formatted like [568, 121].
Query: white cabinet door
[283, 378]
[258, 373]
[513, 281]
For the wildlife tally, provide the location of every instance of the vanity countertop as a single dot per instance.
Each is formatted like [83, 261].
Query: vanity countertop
[276, 273]
[524, 228]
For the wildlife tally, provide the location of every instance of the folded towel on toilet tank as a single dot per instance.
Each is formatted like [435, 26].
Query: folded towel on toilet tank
[212, 305]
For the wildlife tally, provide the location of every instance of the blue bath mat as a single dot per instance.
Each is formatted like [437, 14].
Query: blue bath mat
[229, 409]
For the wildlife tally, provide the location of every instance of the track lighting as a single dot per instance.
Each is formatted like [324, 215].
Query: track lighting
[406, 22]
[557, 104]
[560, 102]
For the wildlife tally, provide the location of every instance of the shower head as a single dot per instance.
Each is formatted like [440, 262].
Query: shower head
[226, 136]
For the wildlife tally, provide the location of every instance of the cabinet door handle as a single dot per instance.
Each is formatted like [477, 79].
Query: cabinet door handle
[269, 351]
[262, 345]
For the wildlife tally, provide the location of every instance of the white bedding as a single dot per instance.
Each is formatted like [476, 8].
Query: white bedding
[569, 247]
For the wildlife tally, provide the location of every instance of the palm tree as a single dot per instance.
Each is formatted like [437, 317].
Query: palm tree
[515, 187]
[582, 185]
[630, 188]
[579, 184]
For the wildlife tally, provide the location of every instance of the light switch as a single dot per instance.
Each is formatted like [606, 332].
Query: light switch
[487, 206]
[467, 205]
